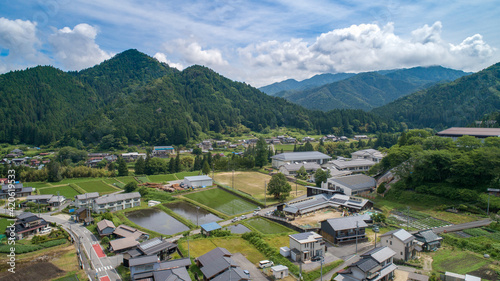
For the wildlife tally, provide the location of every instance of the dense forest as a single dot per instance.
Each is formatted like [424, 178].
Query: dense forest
[364, 90]
[133, 98]
[458, 103]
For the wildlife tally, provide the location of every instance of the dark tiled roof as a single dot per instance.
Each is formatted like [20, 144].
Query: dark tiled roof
[366, 264]
[142, 260]
[176, 274]
[155, 245]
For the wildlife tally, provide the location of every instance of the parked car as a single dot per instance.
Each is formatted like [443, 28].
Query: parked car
[265, 263]
[246, 272]
[316, 258]
[243, 217]
[235, 219]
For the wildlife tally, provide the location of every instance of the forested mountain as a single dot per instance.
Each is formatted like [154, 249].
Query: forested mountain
[133, 98]
[313, 82]
[371, 89]
[458, 103]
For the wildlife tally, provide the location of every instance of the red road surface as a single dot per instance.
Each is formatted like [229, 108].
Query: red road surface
[105, 278]
[98, 251]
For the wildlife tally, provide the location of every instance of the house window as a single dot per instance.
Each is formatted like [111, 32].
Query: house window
[391, 243]
[401, 253]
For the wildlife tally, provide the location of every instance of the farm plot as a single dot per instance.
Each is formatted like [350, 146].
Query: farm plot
[267, 227]
[182, 175]
[252, 183]
[37, 184]
[416, 220]
[222, 201]
[127, 179]
[96, 186]
[162, 178]
[64, 190]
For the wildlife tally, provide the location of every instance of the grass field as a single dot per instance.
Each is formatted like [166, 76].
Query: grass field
[37, 184]
[285, 147]
[253, 183]
[267, 227]
[278, 241]
[162, 178]
[110, 181]
[77, 180]
[181, 175]
[127, 179]
[222, 201]
[3, 225]
[96, 186]
[143, 179]
[64, 190]
[234, 245]
[454, 260]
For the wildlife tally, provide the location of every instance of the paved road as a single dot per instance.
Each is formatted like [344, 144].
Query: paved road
[100, 267]
[458, 227]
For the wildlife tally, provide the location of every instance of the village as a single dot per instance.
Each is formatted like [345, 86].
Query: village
[225, 225]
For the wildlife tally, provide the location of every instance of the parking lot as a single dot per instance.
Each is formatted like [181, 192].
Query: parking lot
[245, 264]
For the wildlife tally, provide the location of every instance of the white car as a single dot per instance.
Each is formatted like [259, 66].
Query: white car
[265, 263]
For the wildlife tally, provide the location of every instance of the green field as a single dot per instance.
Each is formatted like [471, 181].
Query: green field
[143, 179]
[285, 147]
[3, 225]
[111, 181]
[96, 186]
[222, 201]
[454, 260]
[77, 180]
[64, 190]
[127, 179]
[181, 175]
[162, 178]
[267, 227]
[252, 183]
[37, 184]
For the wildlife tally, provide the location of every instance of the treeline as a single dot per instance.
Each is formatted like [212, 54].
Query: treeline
[134, 99]
[458, 170]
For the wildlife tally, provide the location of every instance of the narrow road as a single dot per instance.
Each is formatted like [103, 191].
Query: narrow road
[458, 227]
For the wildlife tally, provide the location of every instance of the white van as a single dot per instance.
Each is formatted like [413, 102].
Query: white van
[265, 263]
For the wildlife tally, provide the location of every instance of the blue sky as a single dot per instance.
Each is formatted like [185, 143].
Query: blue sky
[258, 42]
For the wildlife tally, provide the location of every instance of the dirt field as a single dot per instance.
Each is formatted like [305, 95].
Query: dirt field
[400, 275]
[253, 184]
[315, 218]
[36, 271]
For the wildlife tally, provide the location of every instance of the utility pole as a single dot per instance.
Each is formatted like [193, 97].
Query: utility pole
[265, 194]
[321, 261]
[407, 218]
[233, 179]
[356, 237]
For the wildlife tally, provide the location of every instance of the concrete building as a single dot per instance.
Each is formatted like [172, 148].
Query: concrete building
[299, 157]
[368, 154]
[292, 169]
[354, 166]
[198, 181]
[480, 133]
[85, 200]
[401, 242]
[304, 246]
[322, 201]
[350, 185]
[116, 202]
[163, 151]
[279, 271]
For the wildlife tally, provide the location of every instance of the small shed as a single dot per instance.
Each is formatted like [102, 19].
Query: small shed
[285, 251]
[279, 271]
[198, 181]
[209, 227]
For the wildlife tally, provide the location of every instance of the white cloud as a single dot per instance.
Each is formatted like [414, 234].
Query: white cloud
[192, 53]
[76, 48]
[359, 48]
[161, 57]
[19, 44]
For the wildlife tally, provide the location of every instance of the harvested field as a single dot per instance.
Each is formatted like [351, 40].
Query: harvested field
[33, 271]
[314, 218]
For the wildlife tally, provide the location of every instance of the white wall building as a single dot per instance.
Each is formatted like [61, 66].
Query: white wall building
[368, 154]
[306, 245]
[116, 202]
[299, 157]
[198, 181]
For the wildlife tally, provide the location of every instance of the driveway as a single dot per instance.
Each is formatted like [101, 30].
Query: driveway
[245, 264]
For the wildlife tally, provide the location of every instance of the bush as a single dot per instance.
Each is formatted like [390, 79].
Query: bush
[381, 188]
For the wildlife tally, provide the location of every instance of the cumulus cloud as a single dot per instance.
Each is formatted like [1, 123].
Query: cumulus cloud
[76, 48]
[193, 53]
[161, 57]
[19, 44]
[364, 47]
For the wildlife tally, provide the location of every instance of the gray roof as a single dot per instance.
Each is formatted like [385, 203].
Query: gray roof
[175, 274]
[295, 167]
[143, 260]
[347, 223]
[128, 231]
[59, 198]
[215, 262]
[366, 264]
[301, 156]
[323, 200]
[343, 164]
[117, 197]
[380, 254]
[417, 277]
[184, 262]
[39, 197]
[198, 178]
[308, 236]
[214, 254]
[401, 234]
[233, 274]
[476, 132]
[25, 215]
[123, 243]
[155, 245]
[355, 182]
[16, 186]
[90, 195]
[427, 236]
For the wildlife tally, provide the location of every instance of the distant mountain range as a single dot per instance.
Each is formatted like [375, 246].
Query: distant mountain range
[133, 98]
[360, 91]
[458, 103]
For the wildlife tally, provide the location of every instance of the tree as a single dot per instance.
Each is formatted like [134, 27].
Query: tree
[130, 187]
[54, 175]
[177, 166]
[279, 187]
[171, 165]
[122, 167]
[321, 176]
[206, 168]
[301, 173]
[381, 188]
[378, 218]
[143, 191]
[261, 152]
[140, 166]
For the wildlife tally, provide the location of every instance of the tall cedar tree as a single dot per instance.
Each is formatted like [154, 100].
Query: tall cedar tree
[206, 168]
[261, 153]
[130, 187]
[122, 167]
[140, 166]
[147, 165]
[279, 187]
[171, 166]
[177, 163]
[54, 173]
